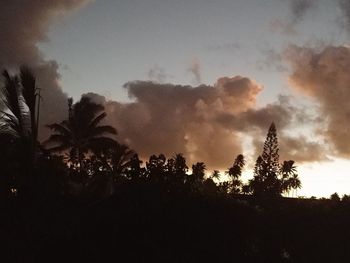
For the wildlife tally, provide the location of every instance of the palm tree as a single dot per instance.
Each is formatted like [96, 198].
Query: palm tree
[235, 172]
[120, 158]
[289, 178]
[215, 175]
[176, 169]
[32, 98]
[82, 132]
[115, 159]
[295, 183]
[14, 112]
[196, 179]
[198, 171]
[111, 162]
[18, 125]
[20, 99]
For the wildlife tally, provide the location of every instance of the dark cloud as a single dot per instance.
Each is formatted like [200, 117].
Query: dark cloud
[24, 23]
[324, 76]
[345, 9]
[300, 7]
[158, 74]
[298, 10]
[228, 47]
[271, 60]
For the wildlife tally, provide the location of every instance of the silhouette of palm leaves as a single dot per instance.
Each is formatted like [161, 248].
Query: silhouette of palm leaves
[82, 132]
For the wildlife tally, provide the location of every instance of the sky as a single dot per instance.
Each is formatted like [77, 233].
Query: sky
[204, 78]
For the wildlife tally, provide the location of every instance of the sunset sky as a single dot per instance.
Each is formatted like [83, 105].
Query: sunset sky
[204, 78]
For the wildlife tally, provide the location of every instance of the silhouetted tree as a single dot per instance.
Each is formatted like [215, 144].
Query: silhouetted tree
[156, 168]
[266, 169]
[246, 189]
[176, 171]
[290, 179]
[198, 171]
[115, 159]
[196, 178]
[18, 123]
[134, 171]
[215, 175]
[31, 98]
[346, 198]
[335, 197]
[82, 132]
[235, 172]
[271, 178]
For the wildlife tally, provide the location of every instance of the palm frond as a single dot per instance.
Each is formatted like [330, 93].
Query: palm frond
[85, 110]
[97, 119]
[59, 148]
[60, 128]
[9, 123]
[5, 129]
[100, 130]
[59, 138]
[125, 159]
[11, 97]
[98, 143]
[29, 93]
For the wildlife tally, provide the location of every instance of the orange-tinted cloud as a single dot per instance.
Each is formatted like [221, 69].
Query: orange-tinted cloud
[206, 123]
[172, 118]
[323, 75]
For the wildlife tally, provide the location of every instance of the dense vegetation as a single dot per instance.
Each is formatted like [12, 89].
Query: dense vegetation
[83, 194]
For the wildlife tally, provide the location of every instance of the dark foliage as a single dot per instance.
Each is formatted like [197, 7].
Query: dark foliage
[143, 223]
[270, 178]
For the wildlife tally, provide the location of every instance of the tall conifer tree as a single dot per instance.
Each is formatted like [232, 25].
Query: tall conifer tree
[266, 170]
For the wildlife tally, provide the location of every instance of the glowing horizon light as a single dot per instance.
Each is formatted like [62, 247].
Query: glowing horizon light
[324, 179]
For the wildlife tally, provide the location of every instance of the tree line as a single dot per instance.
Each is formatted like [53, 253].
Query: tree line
[82, 155]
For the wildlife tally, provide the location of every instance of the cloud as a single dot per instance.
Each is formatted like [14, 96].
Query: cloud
[298, 10]
[158, 74]
[300, 7]
[301, 149]
[323, 75]
[206, 123]
[344, 20]
[271, 60]
[345, 9]
[169, 119]
[279, 26]
[229, 47]
[195, 69]
[23, 24]
[298, 148]
[256, 121]
[259, 119]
